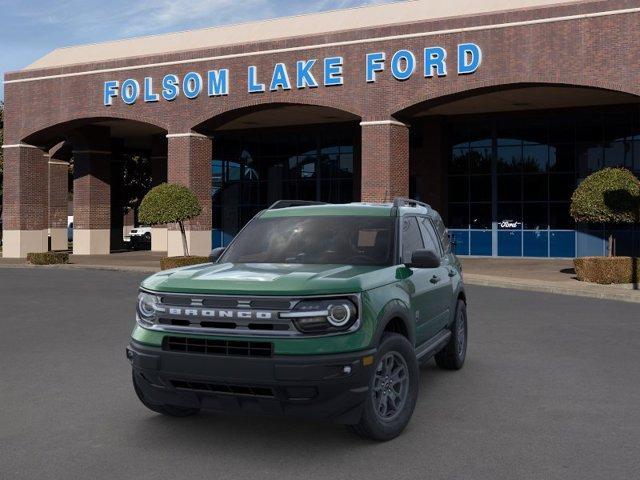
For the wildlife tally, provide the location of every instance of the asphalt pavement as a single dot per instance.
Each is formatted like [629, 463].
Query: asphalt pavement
[551, 390]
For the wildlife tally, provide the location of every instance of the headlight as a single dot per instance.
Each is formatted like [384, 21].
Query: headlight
[323, 315]
[147, 308]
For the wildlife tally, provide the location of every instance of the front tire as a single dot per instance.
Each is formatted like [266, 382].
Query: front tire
[169, 410]
[452, 356]
[393, 391]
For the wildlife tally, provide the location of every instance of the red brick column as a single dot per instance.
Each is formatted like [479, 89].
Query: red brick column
[92, 192]
[385, 160]
[158, 160]
[189, 164]
[58, 196]
[25, 201]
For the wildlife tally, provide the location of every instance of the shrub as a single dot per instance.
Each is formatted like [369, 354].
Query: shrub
[607, 270]
[169, 203]
[610, 195]
[175, 262]
[48, 258]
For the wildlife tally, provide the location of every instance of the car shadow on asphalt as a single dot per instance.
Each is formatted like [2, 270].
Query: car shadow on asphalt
[233, 433]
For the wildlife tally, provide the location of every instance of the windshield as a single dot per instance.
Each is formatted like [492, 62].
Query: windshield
[345, 240]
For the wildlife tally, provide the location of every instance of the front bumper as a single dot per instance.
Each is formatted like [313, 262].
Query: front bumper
[319, 386]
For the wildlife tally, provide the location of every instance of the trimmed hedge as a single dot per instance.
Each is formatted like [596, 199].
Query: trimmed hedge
[48, 258]
[610, 195]
[176, 262]
[607, 270]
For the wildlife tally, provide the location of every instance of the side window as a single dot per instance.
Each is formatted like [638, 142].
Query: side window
[442, 233]
[411, 238]
[430, 239]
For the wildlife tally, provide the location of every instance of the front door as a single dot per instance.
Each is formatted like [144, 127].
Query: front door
[421, 284]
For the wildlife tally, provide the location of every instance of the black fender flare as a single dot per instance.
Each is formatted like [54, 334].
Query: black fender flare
[395, 309]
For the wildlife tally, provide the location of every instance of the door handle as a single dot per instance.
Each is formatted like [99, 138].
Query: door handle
[435, 279]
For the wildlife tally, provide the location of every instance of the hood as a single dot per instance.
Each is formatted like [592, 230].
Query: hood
[270, 279]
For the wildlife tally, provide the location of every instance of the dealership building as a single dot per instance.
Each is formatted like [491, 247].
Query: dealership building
[491, 111]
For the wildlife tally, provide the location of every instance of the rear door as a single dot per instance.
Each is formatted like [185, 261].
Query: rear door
[442, 287]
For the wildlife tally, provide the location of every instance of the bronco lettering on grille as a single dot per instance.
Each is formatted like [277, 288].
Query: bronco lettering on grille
[214, 313]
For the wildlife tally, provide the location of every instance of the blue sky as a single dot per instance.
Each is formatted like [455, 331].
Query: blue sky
[30, 29]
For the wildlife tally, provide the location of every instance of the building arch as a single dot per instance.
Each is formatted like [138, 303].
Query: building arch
[456, 92]
[312, 112]
[120, 126]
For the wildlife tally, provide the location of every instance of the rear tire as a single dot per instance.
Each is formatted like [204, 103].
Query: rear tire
[169, 410]
[393, 391]
[452, 356]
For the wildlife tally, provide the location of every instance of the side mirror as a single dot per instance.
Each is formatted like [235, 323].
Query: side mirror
[425, 259]
[216, 253]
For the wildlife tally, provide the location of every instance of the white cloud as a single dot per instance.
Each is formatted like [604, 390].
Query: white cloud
[124, 18]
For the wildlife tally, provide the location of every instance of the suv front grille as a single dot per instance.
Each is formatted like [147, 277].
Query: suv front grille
[218, 347]
[223, 388]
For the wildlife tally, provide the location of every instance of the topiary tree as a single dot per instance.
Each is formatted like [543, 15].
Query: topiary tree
[169, 203]
[610, 195]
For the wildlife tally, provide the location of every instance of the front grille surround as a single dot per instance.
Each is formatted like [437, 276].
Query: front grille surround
[261, 315]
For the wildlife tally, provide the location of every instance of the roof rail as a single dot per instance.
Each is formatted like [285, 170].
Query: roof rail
[293, 203]
[408, 202]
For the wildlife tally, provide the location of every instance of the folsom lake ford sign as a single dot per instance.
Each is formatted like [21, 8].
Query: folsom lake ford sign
[310, 73]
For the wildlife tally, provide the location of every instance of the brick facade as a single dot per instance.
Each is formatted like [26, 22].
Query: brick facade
[385, 161]
[25, 197]
[189, 164]
[589, 44]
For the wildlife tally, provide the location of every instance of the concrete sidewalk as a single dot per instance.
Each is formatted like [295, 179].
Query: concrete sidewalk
[135, 261]
[538, 275]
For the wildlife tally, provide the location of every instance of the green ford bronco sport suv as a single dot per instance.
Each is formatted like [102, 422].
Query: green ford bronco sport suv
[315, 310]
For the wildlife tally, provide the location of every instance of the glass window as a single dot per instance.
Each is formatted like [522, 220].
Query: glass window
[480, 216]
[509, 188]
[442, 232]
[561, 130]
[480, 188]
[458, 188]
[561, 186]
[535, 216]
[480, 160]
[510, 159]
[535, 187]
[429, 237]
[255, 168]
[562, 158]
[459, 161]
[538, 158]
[589, 158]
[618, 154]
[509, 216]
[316, 240]
[559, 217]
[534, 158]
[411, 238]
[459, 215]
